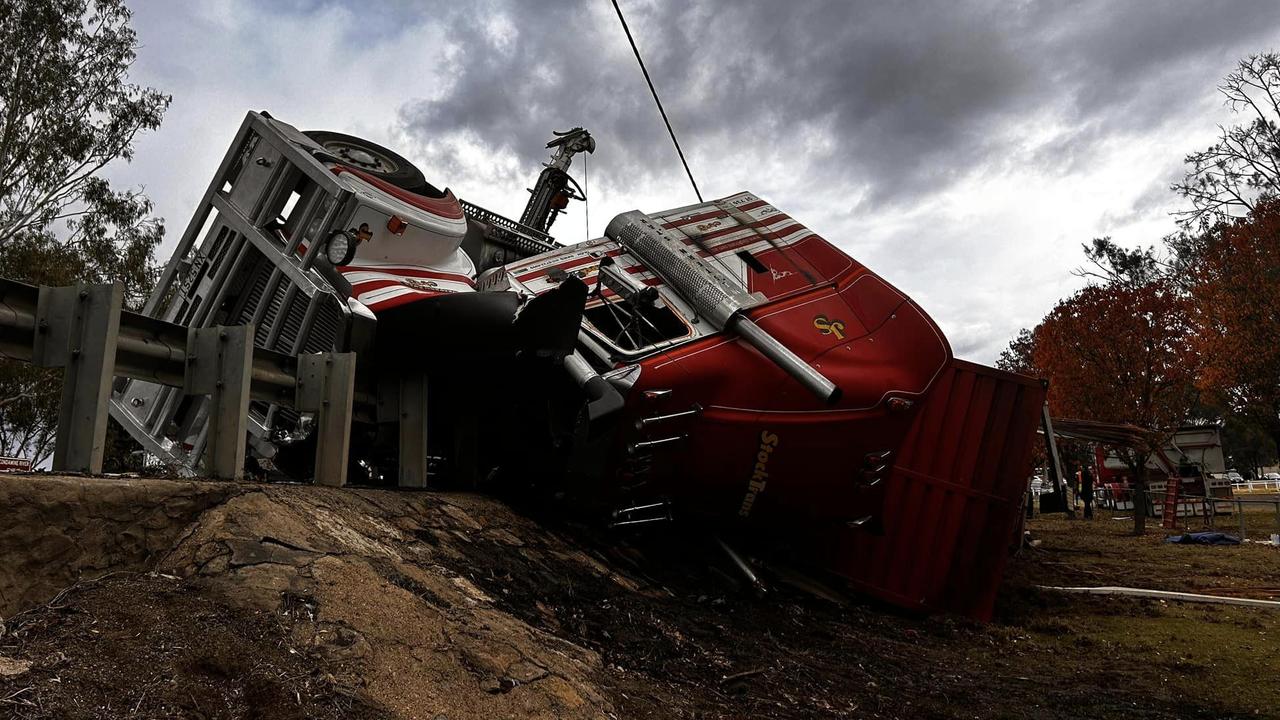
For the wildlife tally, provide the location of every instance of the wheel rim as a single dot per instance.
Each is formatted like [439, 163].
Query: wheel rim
[362, 157]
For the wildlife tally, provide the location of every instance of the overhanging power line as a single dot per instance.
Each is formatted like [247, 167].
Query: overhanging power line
[654, 90]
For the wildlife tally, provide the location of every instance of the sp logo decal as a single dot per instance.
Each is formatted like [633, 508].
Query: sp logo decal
[829, 327]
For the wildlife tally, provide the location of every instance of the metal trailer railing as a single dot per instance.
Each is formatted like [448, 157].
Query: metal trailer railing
[1244, 517]
[1122, 500]
[525, 240]
[240, 262]
[83, 330]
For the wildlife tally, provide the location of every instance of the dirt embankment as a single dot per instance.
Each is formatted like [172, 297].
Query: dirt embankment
[346, 585]
[55, 530]
[301, 602]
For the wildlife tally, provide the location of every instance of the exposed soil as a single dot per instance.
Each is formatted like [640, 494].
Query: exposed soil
[294, 601]
[56, 530]
[144, 645]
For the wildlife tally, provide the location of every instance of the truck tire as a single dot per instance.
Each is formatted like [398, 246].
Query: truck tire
[370, 157]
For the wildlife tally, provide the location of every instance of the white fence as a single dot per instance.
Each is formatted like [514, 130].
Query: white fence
[1256, 485]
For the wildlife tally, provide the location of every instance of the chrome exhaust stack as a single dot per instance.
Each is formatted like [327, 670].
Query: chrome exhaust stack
[807, 375]
[714, 295]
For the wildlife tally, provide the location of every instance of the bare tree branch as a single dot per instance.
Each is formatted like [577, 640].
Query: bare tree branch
[1230, 177]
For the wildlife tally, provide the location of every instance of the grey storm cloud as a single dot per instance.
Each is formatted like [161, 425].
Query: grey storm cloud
[907, 97]
[964, 150]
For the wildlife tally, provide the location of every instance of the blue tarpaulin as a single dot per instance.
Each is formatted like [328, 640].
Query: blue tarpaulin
[1203, 538]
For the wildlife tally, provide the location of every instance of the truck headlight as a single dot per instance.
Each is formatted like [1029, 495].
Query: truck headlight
[340, 248]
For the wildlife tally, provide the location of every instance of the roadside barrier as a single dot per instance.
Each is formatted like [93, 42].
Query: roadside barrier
[84, 330]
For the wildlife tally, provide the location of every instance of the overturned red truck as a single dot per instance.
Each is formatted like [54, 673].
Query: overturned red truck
[719, 362]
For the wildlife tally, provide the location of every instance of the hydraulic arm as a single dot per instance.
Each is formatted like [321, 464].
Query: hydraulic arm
[552, 193]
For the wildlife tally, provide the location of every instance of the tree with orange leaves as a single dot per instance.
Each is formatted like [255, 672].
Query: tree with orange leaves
[1234, 277]
[1119, 352]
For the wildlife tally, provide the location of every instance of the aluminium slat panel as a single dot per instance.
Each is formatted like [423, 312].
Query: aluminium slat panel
[1010, 465]
[926, 565]
[972, 558]
[901, 523]
[930, 424]
[951, 529]
[983, 549]
[924, 554]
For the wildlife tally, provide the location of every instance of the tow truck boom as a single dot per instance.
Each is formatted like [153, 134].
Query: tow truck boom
[551, 193]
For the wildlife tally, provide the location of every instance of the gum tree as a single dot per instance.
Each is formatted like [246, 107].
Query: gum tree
[67, 110]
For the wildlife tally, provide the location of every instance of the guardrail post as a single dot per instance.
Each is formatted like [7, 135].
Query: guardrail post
[1240, 512]
[76, 329]
[220, 365]
[413, 430]
[326, 386]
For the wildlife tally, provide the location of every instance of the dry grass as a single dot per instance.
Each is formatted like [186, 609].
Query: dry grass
[1197, 656]
[1104, 552]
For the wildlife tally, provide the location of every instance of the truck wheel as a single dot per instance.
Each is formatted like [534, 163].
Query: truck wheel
[369, 157]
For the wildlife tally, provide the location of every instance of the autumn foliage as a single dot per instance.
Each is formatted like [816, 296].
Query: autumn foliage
[1119, 353]
[1190, 331]
[1235, 287]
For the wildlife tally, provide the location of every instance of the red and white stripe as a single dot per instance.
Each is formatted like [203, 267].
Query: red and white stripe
[380, 286]
[719, 232]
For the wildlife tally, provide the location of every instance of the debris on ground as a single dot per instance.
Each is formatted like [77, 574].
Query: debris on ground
[1203, 538]
[253, 600]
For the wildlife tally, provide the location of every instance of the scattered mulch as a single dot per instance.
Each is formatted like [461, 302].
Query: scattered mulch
[150, 646]
[685, 636]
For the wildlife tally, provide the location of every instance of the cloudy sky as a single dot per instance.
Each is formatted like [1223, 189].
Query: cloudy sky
[962, 150]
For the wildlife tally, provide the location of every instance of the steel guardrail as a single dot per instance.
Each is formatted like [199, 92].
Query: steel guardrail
[84, 330]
